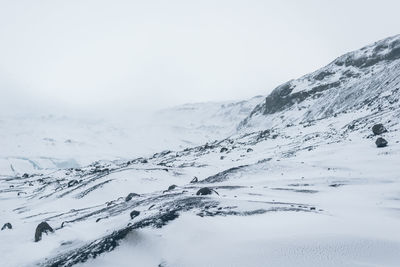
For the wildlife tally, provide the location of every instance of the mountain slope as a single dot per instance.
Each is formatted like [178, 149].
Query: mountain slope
[366, 79]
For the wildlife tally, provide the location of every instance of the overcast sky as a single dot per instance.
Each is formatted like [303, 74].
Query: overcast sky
[89, 55]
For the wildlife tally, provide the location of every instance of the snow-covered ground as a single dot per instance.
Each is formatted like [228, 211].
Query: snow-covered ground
[287, 188]
[31, 142]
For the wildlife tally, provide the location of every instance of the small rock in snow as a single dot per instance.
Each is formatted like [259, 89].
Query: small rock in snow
[224, 149]
[43, 227]
[6, 226]
[72, 183]
[205, 191]
[134, 214]
[381, 142]
[378, 129]
[130, 196]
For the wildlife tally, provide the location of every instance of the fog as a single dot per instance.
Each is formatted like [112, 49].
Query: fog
[102, 57]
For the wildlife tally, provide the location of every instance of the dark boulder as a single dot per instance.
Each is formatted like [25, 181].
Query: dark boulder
[205, 191]
[43, 227]
[378, 129]
[72, 183]
[134, 214]
[194, 180]
[25, 175]
[6, 226]
[172, 187]
[249, 150]
[224, 149]
[380, 142]
[130, 196]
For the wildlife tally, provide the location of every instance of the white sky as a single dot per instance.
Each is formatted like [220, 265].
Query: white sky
[89, 55]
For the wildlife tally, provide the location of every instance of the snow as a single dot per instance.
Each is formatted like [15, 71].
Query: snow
[296, 187]
[32, 142]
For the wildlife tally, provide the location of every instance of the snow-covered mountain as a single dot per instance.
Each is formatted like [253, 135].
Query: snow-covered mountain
[33, 143]
[307, 180]
[363, 80]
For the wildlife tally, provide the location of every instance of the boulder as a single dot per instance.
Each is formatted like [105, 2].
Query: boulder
[130, 196]
[134, 214]
[381, 142]
[205, 191]
[43, 227]
[172, 187]
[6, 226]
[224, 149]
[72, 183]
[194, 180]
[378, 129]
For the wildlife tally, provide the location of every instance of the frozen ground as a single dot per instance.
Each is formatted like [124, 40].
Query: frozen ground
[288, 188]
[32, 143]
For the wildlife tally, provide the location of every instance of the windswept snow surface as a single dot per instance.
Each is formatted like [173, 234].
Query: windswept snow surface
[287, 189]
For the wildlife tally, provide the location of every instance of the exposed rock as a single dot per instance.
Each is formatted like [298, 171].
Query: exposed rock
[130, 196]
[381, 142]
[172, 187]
[320, 76]
[378, 129]
[43, 227]
[205, 191]
[194, 180]
[6, 226]
[224, 149]
[249, 150]
[25, 175]
[72, 183]
[134, 214]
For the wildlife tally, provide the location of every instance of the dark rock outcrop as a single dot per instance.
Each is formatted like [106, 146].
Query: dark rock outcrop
[381, 142]
[281, 97]
[43, 227]
[194, 180]
[378, 129]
